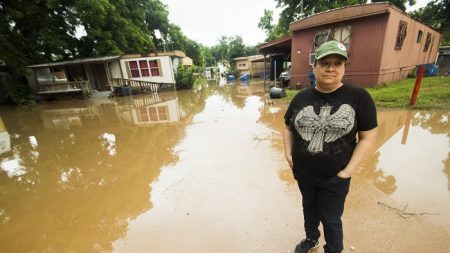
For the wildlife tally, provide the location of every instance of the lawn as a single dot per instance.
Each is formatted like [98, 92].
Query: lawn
[434, 93]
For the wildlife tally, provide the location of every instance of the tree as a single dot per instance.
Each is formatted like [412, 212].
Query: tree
[435, 14]
[208, 56]
[265, 22]
[250, 50]
[236, 47]
[23, 40]
[401, 4]
[113, 27]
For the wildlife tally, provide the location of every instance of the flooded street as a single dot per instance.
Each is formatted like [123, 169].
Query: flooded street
[203, 170]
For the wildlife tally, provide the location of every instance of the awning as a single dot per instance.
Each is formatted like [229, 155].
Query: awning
[278, 46]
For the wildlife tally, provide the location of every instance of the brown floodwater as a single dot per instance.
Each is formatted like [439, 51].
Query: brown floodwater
[203, 170]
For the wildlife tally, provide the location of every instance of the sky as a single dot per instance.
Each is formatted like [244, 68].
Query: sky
[205, 21]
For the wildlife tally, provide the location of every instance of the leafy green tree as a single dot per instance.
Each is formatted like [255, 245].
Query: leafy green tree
[265, 22]
[236, 47]
[113, 27]
[399, 3]
[250, 50]
[208, 56]
[436, 15]
[35, 32]
[221, 50]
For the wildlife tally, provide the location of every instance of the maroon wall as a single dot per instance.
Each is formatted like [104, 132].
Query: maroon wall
[366, 46]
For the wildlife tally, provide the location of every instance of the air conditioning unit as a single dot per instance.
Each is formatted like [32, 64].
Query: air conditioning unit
[312, 58]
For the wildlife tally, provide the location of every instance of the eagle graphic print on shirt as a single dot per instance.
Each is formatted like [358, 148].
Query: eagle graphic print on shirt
[325, 127]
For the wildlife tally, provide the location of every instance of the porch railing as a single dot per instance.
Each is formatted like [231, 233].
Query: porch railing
[65, 87]
[137, 86]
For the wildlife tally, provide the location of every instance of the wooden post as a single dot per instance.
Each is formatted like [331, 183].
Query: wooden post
[415, 92]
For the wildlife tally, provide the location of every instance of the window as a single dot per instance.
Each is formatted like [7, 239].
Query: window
[134, 69]
[144, 68]
[321, 37]
[419, 36]
[342, 34]
[401, 35]
[154, 68]
[241, 65]
[427, 42]
[143, 65]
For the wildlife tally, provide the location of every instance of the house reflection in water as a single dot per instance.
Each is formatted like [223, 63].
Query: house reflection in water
[139, 111]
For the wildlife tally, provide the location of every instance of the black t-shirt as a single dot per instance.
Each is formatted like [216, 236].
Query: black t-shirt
[324, 127]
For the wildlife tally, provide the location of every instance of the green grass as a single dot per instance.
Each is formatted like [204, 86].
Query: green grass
[434, 93]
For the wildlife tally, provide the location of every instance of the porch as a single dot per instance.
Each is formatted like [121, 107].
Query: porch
[83, 76]
[137, 86]
[77, 87]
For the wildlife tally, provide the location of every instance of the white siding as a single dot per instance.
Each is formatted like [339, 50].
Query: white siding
[115, 69]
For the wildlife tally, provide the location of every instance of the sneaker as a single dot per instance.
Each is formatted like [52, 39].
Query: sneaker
[306, 245]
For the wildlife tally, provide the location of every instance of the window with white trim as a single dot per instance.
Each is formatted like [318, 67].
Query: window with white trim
[154, 68]
[144, 68]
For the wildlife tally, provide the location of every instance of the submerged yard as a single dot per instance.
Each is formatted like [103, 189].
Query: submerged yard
[203, 170]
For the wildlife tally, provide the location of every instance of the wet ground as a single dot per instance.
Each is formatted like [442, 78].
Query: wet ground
[204, 171]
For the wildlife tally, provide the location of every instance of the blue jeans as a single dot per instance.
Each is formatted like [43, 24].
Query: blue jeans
[323, 201]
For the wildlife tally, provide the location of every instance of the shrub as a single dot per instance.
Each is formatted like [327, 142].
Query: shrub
[184, 78]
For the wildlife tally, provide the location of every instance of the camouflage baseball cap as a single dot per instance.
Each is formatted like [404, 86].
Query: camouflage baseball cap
[331, 47]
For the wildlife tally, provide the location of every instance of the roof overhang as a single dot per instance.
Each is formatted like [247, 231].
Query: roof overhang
[278, 46]
[176, 53]
[244, 58]
[342, 14]
[74, 62]
[257, 58]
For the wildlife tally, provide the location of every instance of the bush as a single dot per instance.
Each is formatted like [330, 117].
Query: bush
[184, 78]
[17, 91]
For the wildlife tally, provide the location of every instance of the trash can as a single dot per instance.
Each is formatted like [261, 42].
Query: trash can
[125, 91]
[276, 92]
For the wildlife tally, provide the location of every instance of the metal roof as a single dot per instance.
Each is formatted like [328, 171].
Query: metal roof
[78, 61]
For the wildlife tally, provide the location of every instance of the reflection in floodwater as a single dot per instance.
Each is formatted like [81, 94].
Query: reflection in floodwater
[75, 172]
[137, 174]
[411, 163]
